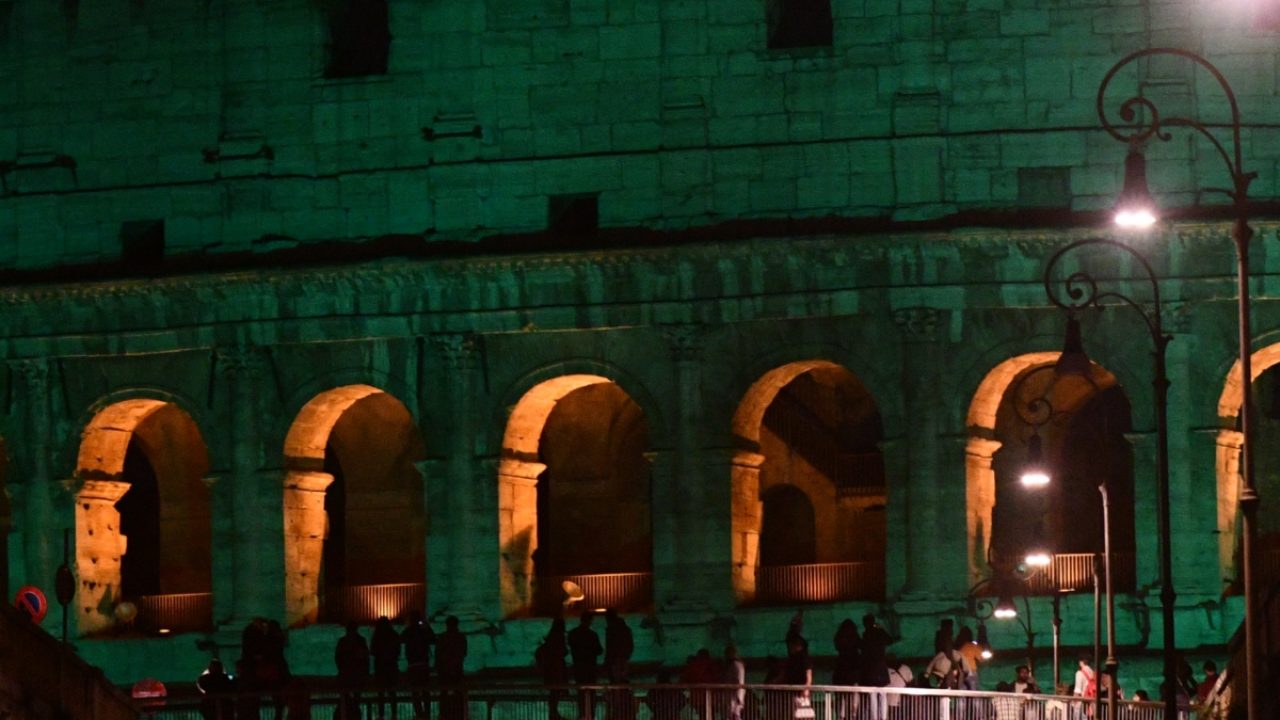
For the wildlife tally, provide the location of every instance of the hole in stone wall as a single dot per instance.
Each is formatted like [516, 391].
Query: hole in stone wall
[142, 242]
[575, 216]
[359, 38]
[799, 23]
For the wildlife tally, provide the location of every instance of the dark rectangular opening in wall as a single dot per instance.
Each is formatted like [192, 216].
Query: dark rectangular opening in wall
[359, 38]
[142, 242]
[799, 23]
[575, 216]
[6, 20]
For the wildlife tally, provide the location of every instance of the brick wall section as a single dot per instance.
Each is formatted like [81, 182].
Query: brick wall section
[674, 112]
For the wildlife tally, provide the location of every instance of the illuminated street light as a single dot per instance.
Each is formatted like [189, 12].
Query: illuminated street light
[1134, 130]
[1038, 559]
[1005, 609]
[1034, 473]
[1136, 208]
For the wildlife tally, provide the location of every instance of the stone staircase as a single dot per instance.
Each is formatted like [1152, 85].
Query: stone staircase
[41, 679]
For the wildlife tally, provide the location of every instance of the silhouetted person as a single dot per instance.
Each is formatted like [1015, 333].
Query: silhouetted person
[735, 673]
[873, 669]
[584, 648]
[352, 658]
[701, 670]
[1210, 679]
[848, 643]
[451, 657]
[944, 637]
[618, 647]
[216, 687]
[250, 668]
[273, 667]
[384, 646]
[417, 638]
[798, 670]
[549, 658]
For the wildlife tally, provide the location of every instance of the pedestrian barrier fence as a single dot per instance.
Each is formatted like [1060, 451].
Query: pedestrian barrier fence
[650, 702]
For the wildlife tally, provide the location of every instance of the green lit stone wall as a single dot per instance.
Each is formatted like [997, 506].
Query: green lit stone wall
[214, 119]
[675, 113]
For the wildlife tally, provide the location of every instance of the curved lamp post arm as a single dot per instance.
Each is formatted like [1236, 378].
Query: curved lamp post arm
[1080, 290]
[1133, 130]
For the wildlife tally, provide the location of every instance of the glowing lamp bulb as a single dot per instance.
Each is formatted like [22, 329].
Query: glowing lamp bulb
[1006, 613]
[1135, 218]
[1038, 559]
[1035, 478]
[986, 653]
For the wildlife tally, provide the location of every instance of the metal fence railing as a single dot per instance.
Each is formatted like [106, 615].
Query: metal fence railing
[1074, 571]
[624, 592]
[175, 613]
[654, 702]
[821, 582]
[366, 603]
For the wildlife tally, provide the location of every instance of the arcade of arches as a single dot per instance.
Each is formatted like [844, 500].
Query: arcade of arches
[699, 473]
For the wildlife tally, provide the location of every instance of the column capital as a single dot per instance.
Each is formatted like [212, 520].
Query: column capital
[918, 323]
[684, 341]
[34, 372]
[240, 359]
[459, 351]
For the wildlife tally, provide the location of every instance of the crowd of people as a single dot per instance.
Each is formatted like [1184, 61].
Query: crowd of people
[369, 675]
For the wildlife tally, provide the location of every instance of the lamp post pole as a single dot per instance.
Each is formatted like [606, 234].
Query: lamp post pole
[1080, 290]
[1136, 131]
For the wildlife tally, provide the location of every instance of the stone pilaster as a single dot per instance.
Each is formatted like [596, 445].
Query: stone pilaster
[39, 520]
[241, 369]
[921, 357]
[688, 540]
[454, 561]
[1146, 538]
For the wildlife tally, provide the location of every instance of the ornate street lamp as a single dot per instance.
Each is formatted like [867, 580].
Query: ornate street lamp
[1079, 290]
[1135, 131]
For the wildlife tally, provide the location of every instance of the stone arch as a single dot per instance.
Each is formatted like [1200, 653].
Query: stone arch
[151, 446]
[1227, 460]
[560, 452]
[511, 397]
[351, 488]
[991, 416]
[847, 488]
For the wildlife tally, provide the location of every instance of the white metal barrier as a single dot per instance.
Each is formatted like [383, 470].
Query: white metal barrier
[649, 702]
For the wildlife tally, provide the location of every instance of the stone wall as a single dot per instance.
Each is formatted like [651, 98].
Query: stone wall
[217, 120]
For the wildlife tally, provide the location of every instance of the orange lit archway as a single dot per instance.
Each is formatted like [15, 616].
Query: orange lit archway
[573, 461]
[813, 426]
[1229, 441]
[147, 446]
[354, 513]
[991, 397]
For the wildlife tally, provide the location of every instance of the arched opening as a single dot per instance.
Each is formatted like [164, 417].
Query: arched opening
[355, 515]
[142, 520]
[1082, 425]
[574, 498]
[808, 488]
[1266, 472]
